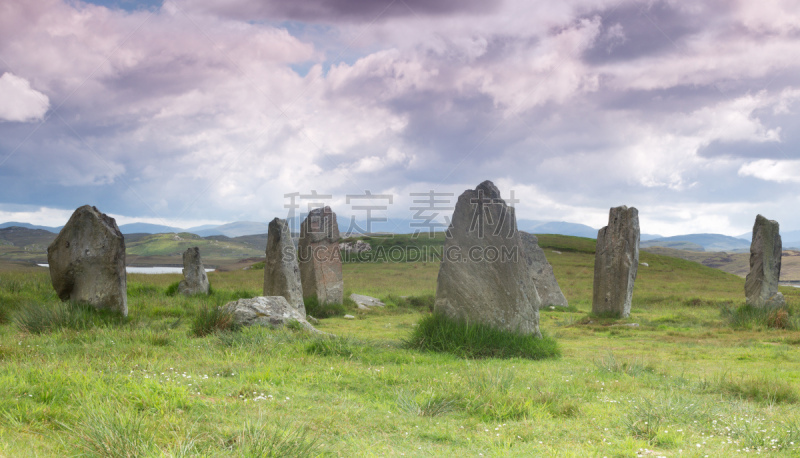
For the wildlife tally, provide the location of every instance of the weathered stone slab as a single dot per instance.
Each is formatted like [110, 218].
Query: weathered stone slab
[195, 280]
[761, 284]
[484, 276]
[318, 257]
[543, 276]
[616, 262]
[281, 270]
[272, 311]
[365, 302]
[87, 261]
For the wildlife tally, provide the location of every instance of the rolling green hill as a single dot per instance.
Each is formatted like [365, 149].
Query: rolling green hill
[176, 244]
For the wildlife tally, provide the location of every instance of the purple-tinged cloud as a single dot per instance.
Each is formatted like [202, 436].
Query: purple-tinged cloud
[19, 102]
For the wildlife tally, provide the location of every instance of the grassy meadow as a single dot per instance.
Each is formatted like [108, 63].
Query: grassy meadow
[681, 377]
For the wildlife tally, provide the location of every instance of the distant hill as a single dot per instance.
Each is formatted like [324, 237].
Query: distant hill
[24, 244]
[236, 229]
[709, 242]
[735, 263]
[789, 239]
[26, 237]
[175, 244]
[145, 228]
[674, 244]
[558, 227]
[55, 230]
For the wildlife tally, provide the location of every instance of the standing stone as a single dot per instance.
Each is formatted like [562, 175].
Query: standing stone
[761, 284]
[281, 271]
[615, 263]
[484, 276]
[543, 276]
[318, 257]
[195, 280]
[87, 261]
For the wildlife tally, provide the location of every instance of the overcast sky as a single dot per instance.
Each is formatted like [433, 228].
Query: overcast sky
[210, 111]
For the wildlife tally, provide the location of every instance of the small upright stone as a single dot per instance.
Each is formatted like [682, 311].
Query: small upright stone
[318, 257]
[484, 276]
[281, 271]
[195, 280]
[761, 284]
[615, 263]
[87, 261]
[543, 276]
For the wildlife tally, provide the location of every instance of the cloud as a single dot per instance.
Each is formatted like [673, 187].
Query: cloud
[342, 10]
[772, 170]
[19, 102]
[195, 111]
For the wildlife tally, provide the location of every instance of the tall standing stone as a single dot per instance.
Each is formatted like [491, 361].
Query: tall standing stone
[543, 276]
[87, 261]
[318, 257]
[761, 284]
[615, 263]
[195, 280]
[281, 271]
[484, 276]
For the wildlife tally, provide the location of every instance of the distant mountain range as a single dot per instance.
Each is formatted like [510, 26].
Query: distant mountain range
[31, 226]
[789, 239]
[699, 242]
[692, 242]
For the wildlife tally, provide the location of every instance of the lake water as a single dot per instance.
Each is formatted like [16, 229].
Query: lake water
[151, 270]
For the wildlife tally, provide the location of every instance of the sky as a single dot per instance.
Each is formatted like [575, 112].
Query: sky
[185, 113]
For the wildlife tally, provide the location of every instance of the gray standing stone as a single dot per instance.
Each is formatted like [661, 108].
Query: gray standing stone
[272, 311]
[195, 280]
[87, 261]
[616, 262]
[281, 271]
[484, 276]
[543, 276]
[761, 284]
[318, 256]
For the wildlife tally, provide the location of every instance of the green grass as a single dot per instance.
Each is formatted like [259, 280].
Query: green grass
[210, 319]
[326, 310]
[439, 333]
[749, 317]
[149, 387]
[37, 318]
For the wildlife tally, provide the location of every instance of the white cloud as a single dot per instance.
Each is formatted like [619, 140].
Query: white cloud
[19, 101]
[780, 171]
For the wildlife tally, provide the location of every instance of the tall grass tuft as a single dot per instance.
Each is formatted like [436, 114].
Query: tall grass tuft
[211, 319]
[114, 435]
[648, 418]
[37, 318]
[473, 340]
[334, 346]
[172, 289]
[763, 389]
[324, 310]
[615, 366]
[259, 440]
[430, 405]
[749, 317]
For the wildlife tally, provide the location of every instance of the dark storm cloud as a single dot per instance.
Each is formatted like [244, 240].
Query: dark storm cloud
[642, 30]
[332, 11]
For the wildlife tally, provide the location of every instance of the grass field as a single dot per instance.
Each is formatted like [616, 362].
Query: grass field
[680, 382]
